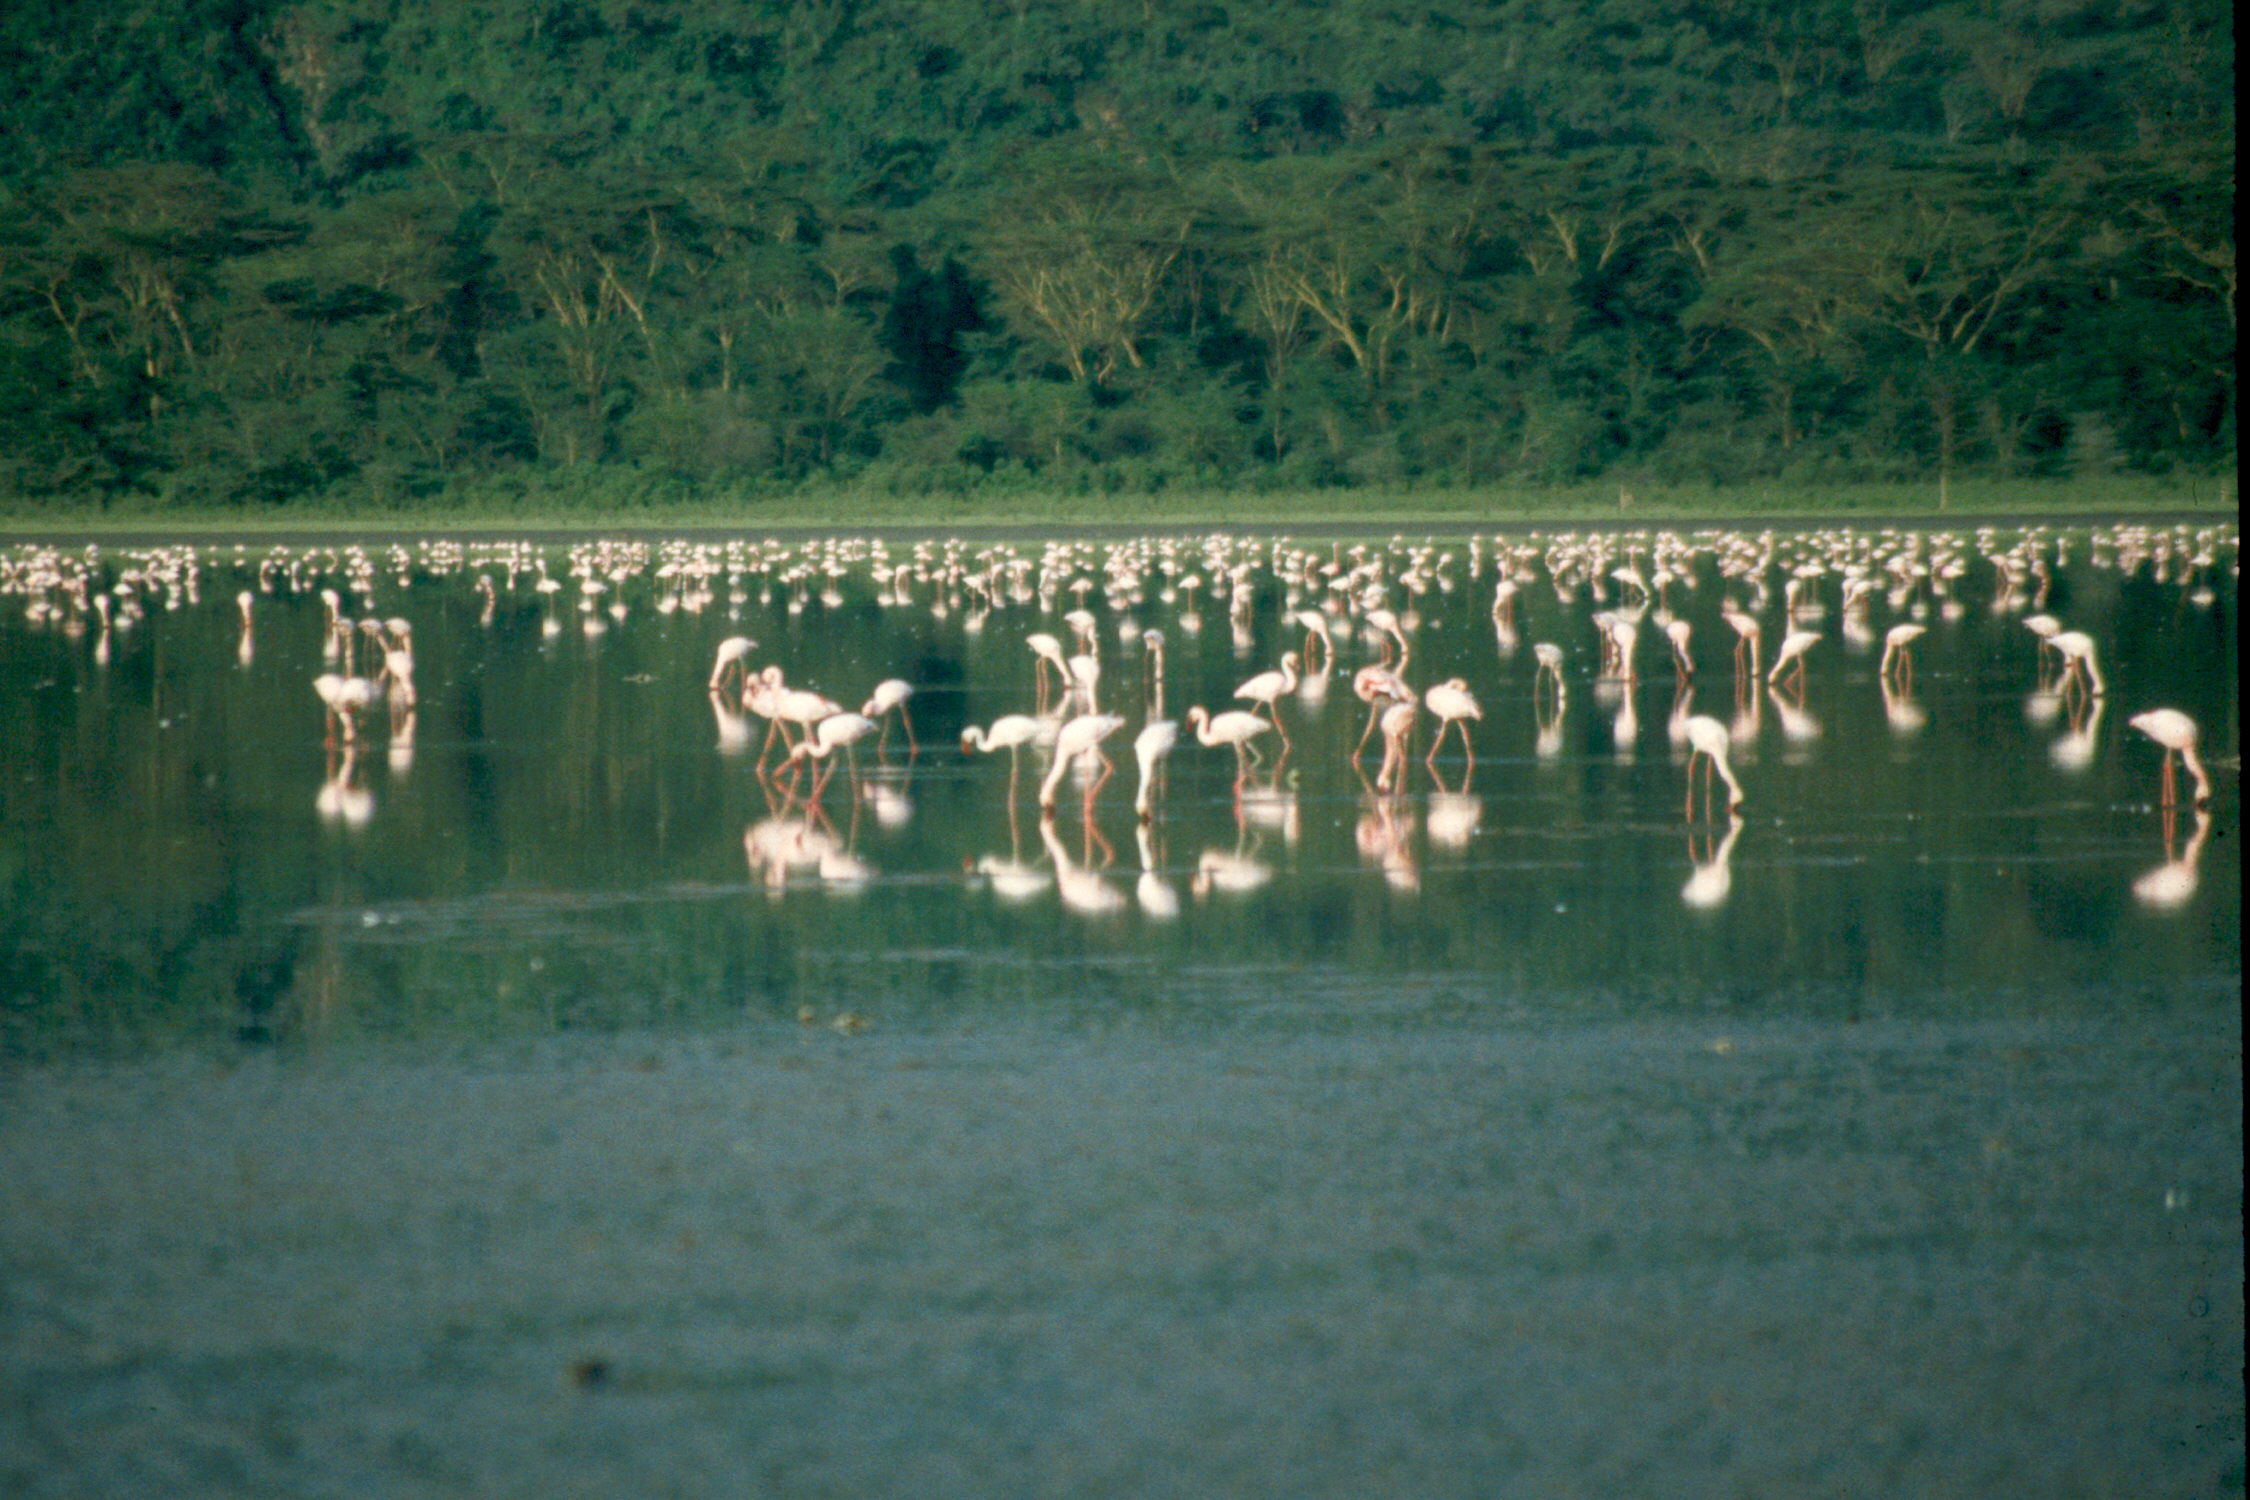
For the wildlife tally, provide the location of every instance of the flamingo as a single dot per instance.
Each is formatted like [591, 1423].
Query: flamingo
[767, 694]
[1080, 736]
[2179, 736]
[1749, 638]
[1082, 674]
[1046, 651]
[1316, 629]
[1454, 705]
[1398, 728]
[1235, 728]
[346, 698]
[1550, 659]
[1707, 741]
[1376, 686]
[2076, 648]
[1009, 732]
[1897, 653]
[835, 732]
[1677, 632]
[1790, 659]
[731, 661]
[1150, 746]
[1504, 603]
[397, 676]
[1152, 665]
[2045, 628]
[890, 697]
[1264, 688]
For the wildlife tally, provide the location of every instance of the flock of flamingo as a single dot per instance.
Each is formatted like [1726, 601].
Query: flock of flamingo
[1365, 598]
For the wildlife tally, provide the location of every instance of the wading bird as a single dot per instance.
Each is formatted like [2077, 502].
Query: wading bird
[1789, 661]
[1235, 729]
[1897, 666]
[890, 697]
[1080, 736]
[2179, 736]
[1708, 743]
[1009, 732]
[1150, 746]
[1454, 705]
[1266, 687]
[731, 662]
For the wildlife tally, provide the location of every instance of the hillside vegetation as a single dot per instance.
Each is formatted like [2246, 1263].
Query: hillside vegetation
[268, 254]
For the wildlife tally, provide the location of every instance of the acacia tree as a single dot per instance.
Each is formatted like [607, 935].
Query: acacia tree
[1079, 254]
[1782, 288]
[1939, 260]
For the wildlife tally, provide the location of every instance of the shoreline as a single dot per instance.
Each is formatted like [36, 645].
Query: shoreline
[562, 530]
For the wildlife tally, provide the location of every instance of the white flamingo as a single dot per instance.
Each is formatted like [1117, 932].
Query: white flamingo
[1046, 651]
[1898, 655]
[731, 662]
[1377, 687]
[1397, 724]
[1678, 632]
[890, 697]
[1263, 689]
[1550, 659]
[2179, 735]
[1150, 747]
[1789, 661]
[1235, 729]
[838, 731]
[1080, 736]
[1009, 732]
[1454, 705]
[1708, 743]
[2076, 648]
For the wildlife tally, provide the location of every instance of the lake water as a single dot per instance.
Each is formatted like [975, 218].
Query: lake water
[524, 1093]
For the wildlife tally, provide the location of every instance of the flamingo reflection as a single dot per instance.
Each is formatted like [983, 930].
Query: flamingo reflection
[1713, 879]
[1157, 897]
[341, 798]
[1079, 881]
[2172, 883]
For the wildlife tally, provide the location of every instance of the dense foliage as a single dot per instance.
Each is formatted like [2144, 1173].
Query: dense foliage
[257, 251]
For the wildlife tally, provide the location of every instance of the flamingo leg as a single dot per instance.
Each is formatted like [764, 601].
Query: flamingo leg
[2171, 786]
[906, 720]
[1374, 711]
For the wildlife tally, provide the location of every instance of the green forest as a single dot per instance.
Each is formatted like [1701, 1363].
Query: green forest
[258, 254]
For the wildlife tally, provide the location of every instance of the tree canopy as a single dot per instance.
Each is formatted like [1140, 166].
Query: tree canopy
[255, 250]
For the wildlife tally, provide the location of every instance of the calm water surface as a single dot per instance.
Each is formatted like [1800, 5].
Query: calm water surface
[528, 1094]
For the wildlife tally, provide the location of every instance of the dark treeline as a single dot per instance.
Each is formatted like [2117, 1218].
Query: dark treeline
[258, 252]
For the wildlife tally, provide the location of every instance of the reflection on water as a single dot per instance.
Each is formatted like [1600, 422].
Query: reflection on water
[498, 739]
[633, 993]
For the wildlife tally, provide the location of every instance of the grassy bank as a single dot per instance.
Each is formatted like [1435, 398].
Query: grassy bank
[606, 501]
